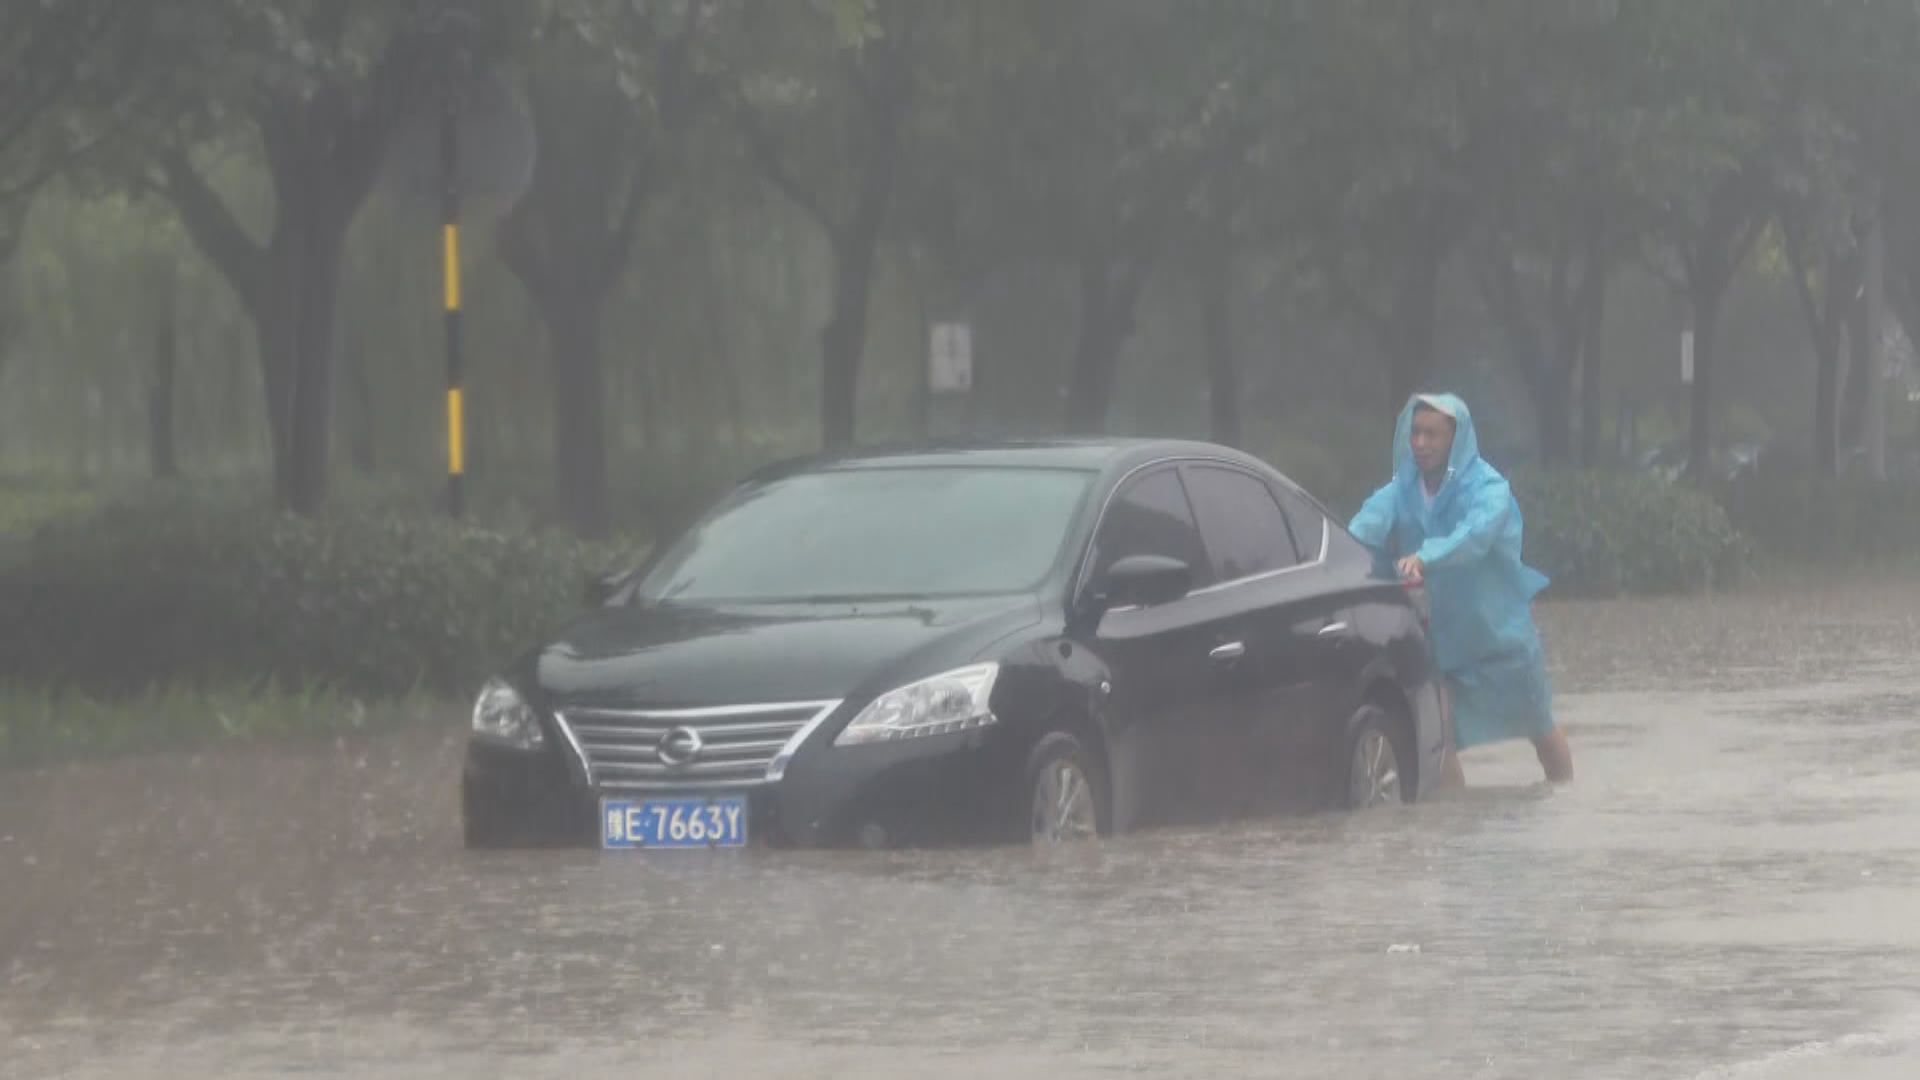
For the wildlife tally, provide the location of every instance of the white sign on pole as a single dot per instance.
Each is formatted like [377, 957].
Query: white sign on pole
[1686, 357]
[950, 358]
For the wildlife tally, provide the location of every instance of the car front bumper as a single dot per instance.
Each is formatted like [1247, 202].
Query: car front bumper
[953, 788]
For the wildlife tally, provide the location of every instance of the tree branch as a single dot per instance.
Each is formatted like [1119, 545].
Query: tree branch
[1348, 296]
[774, 170]
[619, 247]
[60, 163]
[398, 80]
[59, 63]
[214, 229]
[682, 92]
[523, 257]
[1791, 226]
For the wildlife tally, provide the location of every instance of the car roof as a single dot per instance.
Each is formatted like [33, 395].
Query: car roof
[1107, 455]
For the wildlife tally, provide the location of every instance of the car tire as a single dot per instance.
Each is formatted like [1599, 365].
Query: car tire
[1371, 770]
[1065, 792]
[482, 827]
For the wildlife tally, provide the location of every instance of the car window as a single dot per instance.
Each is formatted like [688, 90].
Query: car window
[1150, 516]
[1308, 523]
[857, 533]
[1245, 532]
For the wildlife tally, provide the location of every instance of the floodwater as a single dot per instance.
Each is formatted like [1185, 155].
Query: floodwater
[1731, 889]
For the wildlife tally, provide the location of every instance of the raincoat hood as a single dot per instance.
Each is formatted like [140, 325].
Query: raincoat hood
[1466, 444]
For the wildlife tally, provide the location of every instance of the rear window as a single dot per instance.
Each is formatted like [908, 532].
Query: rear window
[1244, 530]
[1309, 525]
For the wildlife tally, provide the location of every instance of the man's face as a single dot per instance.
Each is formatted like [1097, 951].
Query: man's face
[1432, 440]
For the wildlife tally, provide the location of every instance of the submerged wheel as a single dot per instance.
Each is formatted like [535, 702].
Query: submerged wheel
[1372, 772]
[483, 823]
[484, 831]
[1066, 792]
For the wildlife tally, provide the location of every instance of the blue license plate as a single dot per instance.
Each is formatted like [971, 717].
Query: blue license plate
[699, 821]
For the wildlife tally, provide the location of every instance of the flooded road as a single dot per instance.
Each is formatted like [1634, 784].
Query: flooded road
[1731, 889]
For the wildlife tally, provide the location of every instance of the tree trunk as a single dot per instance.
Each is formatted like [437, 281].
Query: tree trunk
[720, 354]
[322, 150]
[650, 383]
[1216, 312]
[844, 338]
[1555, 404]
[1825, 309]
[237, 363]
[1856, 395]
[9, 245]
[277, 388]
[1107, 297]
[1542, 360]
[1415, 314]
[1593, 312]
[579, 411]
[160, 391]
[1706, 315]
[360, 385]
[1826, 395]
[922, 356]
[1553, 412]
[310, 439]
[289, 289]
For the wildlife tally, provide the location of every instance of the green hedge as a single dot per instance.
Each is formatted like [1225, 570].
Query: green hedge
[139, 594]
[38, 724]
[25, 505]
[1842, 521]
[181, 591]
[1603, 534]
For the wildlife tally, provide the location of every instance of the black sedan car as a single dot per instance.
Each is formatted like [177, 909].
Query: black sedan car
[1026, 641]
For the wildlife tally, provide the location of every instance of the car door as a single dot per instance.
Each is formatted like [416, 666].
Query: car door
[1162, 676]
[1259, 708]
[1329, 653]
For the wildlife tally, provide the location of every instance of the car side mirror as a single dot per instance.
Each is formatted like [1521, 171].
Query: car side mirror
[1145, 581]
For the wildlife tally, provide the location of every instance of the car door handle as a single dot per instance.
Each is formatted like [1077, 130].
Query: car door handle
[1232, 650]
[1334, 629]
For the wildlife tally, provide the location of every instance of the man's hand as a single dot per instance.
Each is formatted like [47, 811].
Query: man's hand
[1412, 569]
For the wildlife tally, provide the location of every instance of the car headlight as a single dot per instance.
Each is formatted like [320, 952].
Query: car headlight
[955, 701]
[500, 716]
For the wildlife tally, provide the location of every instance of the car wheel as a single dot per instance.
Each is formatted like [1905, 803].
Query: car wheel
[1066, 792]
[1371, 771]
[483, 827]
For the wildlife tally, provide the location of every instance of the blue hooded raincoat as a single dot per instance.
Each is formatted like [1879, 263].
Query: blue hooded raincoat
[1468, 537]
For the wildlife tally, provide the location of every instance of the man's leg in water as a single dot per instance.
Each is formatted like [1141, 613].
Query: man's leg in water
[1556, 757]
[1452, 776]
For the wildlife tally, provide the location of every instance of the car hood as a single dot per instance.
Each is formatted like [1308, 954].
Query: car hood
[675, 657]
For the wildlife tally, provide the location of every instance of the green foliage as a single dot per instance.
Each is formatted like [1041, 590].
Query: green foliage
[1593, 533]
[1843, 521]
[1603, 534]
[25, 505]
[39, 724]
[1337, 455]
[64, 66]
[1351, 149]
[148, 592]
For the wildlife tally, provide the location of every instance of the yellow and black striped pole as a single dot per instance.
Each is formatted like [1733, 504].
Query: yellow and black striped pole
[450, 259]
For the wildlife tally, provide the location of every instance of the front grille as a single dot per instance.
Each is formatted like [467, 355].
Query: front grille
[737, 746]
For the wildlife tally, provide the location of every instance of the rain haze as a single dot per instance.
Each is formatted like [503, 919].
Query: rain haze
[861, 538]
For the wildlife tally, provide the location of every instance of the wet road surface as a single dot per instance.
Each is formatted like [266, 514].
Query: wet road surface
[1731, 889]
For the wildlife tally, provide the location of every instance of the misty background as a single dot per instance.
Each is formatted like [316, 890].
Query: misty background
[1257, 222]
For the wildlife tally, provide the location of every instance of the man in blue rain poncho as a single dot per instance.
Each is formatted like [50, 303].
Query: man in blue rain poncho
[1451, 522]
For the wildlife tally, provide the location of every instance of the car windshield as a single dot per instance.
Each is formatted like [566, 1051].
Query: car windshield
[878, 532]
